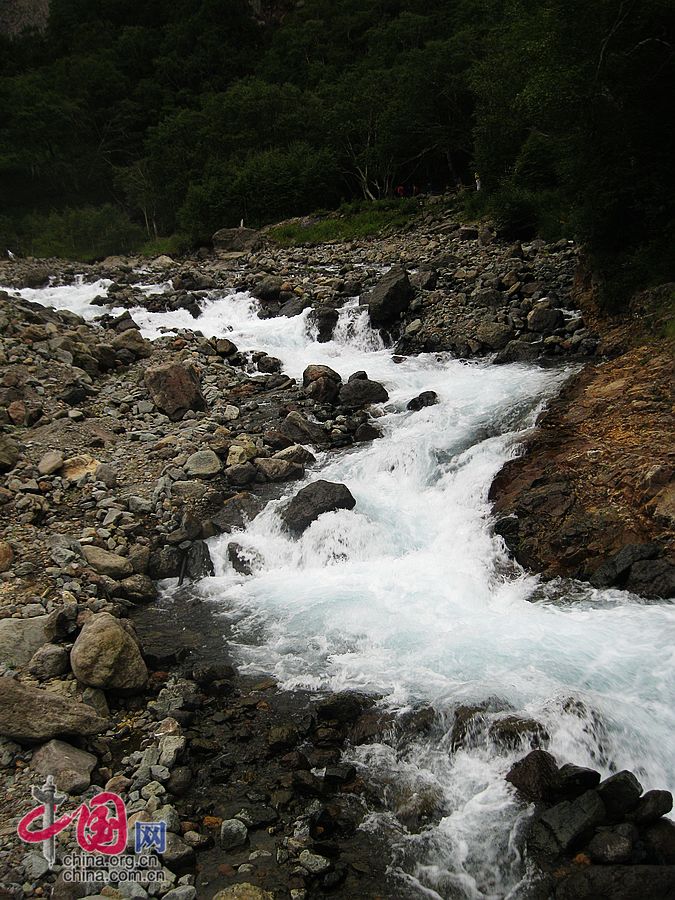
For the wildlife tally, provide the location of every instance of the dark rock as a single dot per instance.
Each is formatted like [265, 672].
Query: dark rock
[651, 807]
[198, 562]
[576, 780]
[179, 781]
[325, 319]
[236, 240]
[426, 398]
[239, 558]
[517, 351]
[612, 570]
[301, 431]
[269, 364]
[174, 388]
[652, 578]
[9, 453]
[389, 298]
[559, 827]
[535, 776]
[617, 883]
[343, 707]
[544, 319]
[294, 307]
[620, 793]
[165, 563]
[612, 845]
[237, 511]
[362, 391]
[512, 731]
[366, 432]
[494, 335]
[268, 289]
[659, 841]
[321, 383]
[312, 501]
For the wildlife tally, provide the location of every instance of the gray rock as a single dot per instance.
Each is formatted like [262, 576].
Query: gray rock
[203, 464]
[617, 883]
[315, 864]
[233, 833]
[9, 453]
[652, 806]
[20, 639]
[106, 563]
[301, 431]
[360, 392]
[32, 714]
[620, 793]
[51, 462]
[312, 501]
[544, 320]
[561, 825]
[70, 767]
[236, 240]
[612, 845]
[177, 853]
[273, 469]
[49, 661]
[106, 656]
[426, 398]
[198, 563]
[184, 892]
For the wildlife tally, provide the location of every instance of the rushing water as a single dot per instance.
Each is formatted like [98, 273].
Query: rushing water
[412, 596]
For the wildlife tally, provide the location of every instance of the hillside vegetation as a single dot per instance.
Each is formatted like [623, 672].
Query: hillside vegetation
[125, 121]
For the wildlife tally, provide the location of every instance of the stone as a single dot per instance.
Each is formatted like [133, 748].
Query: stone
[139, 588]
[559, 827]
[279, 469]
[236, 240]
[301, 431]
[184, 892]
[426, 398]
[612, 845]
[535, 776]
[178, 854]
[652, 578]
[620, 793]
[494, 335]
[243, 891]
[241, 474]
[33, 714]
[312, 501]
[21, 638]
[198, 563]
[70, 767]
[321, 383]
[343, 707]
[9, 453]
[615, 569]
[651, 807]
[49, 661]
[51, 462]
[544, 320]
[360, 392]
[203, 464]
[106, 563]
[133, 342]
[233, 833]
[268, 289]
[389, 298]
[295, 453]
[366, 432]
[617, 883]
[106, 656]
[576, 780]
[315, 864]
[659, 841]
[6, 556]
[174, 388]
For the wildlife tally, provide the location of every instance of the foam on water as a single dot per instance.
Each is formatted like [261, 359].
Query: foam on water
[412, 596]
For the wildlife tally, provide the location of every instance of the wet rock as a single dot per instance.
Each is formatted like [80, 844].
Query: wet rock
[312, 501]
[32, 714]
[70, 767]
[9, 453]
[617, 883]
[321, 383]
[233, 833]
[237, 511]
[612, 845]
[494, 335]
[240, 559]
[174, 388]
[21, 638]
[268, 289]
[652, 578]
[511, 731]
[576, 780]
[620, 793]
[616, 568]
[652, 806]
[296, 453]
[301, 431]
[139, 588]
[535, 776]
[559, 827]
[106, 563]
[659, 841]
[316, 865]
[389, 298]
[279, 469]
[360, 392]
[325, 318]
[203, 464]
[49, 661]
[544, 319]
[344, 707]
[426, 398]
[366, 432]
[198, 563]
[106, 656]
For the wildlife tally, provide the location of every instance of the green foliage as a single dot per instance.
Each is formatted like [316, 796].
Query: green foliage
[85, 233]
[175, 245]
[354, 220]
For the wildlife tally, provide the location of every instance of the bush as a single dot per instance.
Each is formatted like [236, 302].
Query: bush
[86, 233]
[174, 245]
[353, 221]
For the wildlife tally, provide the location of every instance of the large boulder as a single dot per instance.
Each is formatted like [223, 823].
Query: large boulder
[543, 319]
[301, 431]
[559, 827]
[32, 714]
[174, 388]
[321, 383]
[133, 342]
[236, 240]
[390, 297]
[105, 655]
[70, 767]
[106, 563]
[312, 501]
[360, 392]
[535, 776]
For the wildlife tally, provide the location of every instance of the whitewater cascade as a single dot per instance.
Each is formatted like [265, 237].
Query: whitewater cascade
[412, 596]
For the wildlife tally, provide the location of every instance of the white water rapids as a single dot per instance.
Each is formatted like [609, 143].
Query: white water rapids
[412, 596]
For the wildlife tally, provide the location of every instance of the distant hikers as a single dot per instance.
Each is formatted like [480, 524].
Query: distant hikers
[477, 177]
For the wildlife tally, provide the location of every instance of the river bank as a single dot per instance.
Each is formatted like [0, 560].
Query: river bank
[131, 456]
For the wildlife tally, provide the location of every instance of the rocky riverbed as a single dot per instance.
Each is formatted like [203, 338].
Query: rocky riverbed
[123, 456]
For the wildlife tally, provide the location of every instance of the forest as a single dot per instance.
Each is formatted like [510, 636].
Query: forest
[128, 125]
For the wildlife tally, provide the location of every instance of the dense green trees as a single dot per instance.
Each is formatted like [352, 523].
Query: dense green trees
[187, 116]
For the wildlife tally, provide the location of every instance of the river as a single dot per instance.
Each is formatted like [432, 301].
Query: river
[412, 596]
